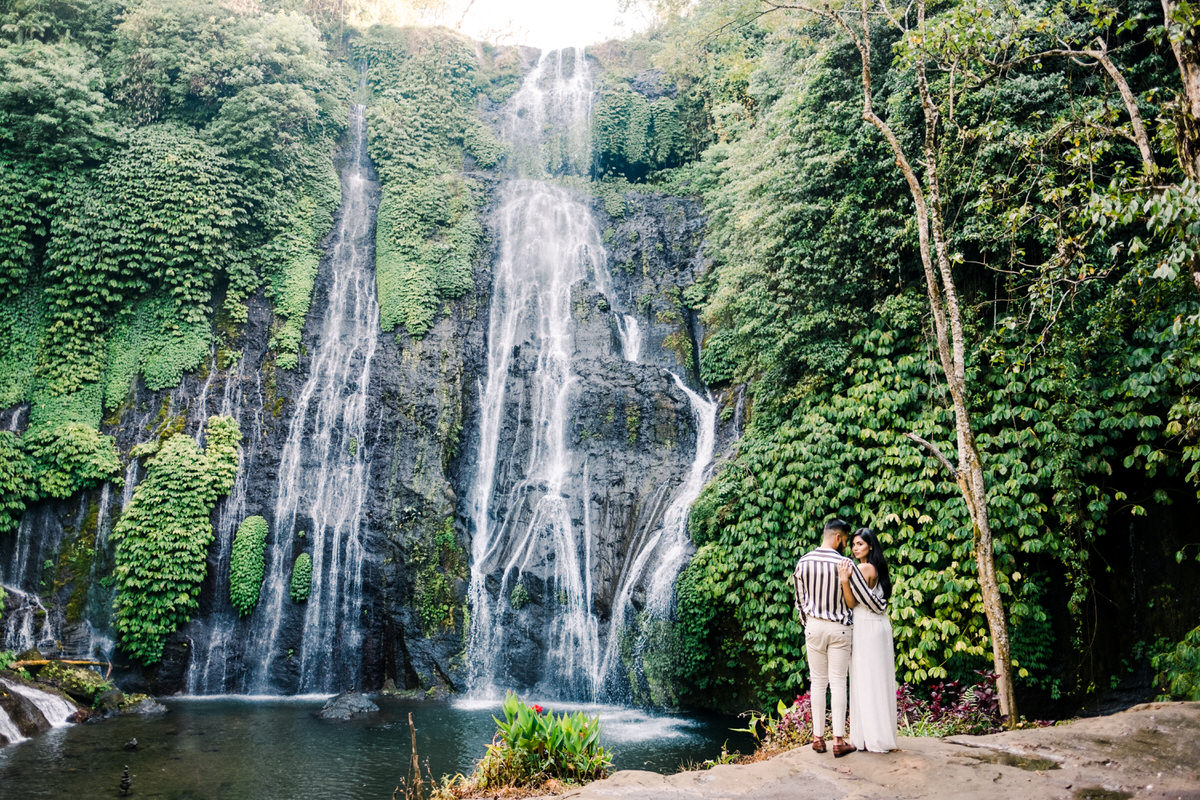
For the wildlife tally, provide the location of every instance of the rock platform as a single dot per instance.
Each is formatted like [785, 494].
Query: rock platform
[1150, 751]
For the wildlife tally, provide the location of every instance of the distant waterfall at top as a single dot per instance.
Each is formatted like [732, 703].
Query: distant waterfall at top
[536, 537]
[323, 471]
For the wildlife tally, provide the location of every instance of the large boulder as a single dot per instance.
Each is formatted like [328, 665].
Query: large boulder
[81, 683]
[141, 704]
[347, 705]
[25, 715]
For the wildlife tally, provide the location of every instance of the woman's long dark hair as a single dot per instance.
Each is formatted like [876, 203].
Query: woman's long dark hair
[875, 559]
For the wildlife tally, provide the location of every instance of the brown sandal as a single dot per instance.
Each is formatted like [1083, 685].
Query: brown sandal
[818, 744]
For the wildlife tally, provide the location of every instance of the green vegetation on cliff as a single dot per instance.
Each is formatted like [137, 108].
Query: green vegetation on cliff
[158, 159]
[1070, 261]
[300, 585]
[162, 537]
[246, 564]
[421, 122]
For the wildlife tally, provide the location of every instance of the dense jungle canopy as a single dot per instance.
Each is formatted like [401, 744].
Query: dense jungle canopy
[163, 161]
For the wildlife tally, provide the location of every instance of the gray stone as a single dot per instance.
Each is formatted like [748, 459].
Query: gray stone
[347, 705]
[1149, 751]
[147, 706]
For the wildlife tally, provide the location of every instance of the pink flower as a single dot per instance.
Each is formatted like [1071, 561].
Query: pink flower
[537, 709]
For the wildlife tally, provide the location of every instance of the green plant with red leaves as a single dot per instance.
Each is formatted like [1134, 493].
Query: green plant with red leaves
[533, 745]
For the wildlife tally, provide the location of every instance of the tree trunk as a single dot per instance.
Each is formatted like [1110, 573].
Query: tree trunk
[947, 322]
[948, 332]
[1184, 36]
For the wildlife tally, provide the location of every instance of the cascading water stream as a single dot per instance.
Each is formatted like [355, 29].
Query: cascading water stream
[323, 470]
[661, 554]
[212, 666]
[546, 240]
[549, 242]
[537, 526]
[53, 708]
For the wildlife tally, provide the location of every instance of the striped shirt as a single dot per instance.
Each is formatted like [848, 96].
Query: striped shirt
[819, 588]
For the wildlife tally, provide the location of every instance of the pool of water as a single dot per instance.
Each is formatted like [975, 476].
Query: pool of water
[272, 749]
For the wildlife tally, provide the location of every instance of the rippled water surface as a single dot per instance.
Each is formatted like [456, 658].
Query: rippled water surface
[219, 749]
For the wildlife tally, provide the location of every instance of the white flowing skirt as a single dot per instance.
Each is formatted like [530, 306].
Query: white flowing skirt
[872, 683]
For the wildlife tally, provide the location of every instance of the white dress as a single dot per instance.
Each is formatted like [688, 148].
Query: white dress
[872, 681]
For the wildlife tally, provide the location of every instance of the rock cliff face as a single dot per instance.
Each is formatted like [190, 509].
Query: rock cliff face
[629, 440]
[630, 436]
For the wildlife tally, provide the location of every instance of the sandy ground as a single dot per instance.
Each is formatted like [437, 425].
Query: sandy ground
[1149, 751]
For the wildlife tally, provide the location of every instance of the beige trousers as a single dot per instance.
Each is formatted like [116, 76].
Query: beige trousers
[828, 645]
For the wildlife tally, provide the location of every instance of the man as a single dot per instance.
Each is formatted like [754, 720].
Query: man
[827, 622]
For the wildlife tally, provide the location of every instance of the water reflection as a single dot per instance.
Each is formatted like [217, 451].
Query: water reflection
[277, 750]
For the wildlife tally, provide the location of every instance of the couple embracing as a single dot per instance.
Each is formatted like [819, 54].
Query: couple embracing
[843, 608]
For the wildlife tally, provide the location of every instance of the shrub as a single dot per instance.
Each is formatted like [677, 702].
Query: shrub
[532, 745]
[70, 457]
[519, 597]
[1178, 669]
[791, 727]
[246, 564]
[162, 538]
[951, 709]
[301, 585]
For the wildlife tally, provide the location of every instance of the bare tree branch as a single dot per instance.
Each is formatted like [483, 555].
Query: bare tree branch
[937, 453]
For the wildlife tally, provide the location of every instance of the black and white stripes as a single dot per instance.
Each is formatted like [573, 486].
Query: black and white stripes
[819, 590]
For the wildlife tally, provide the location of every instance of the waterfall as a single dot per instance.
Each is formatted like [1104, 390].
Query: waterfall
[660, 555]
[546, 236]
[53, 708]
[28, 622]
[530, 505]
[9, 730]
[216, 652]
[323, 470]
[549, 241]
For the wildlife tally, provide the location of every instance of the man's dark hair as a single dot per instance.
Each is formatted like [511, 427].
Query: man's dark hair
[838, 525]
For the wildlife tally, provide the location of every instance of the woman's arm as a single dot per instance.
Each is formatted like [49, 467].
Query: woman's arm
[868, 572]
[844, 575]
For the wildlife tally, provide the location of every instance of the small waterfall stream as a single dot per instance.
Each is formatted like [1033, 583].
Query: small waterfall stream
[54, 709]
[537, 527]
[322, 479]
[217, 654]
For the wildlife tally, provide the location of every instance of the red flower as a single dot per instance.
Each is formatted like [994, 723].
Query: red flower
[537, 709]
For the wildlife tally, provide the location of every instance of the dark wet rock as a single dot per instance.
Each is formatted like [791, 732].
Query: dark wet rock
[347, 705]
[25, 715]
[108, 703]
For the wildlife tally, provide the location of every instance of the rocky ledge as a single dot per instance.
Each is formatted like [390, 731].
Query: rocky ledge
[347, 705]
[1151, 751]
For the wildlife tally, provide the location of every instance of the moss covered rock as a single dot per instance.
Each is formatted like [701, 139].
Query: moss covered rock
[81, 683]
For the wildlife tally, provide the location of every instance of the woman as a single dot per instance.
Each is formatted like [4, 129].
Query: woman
[872, 660]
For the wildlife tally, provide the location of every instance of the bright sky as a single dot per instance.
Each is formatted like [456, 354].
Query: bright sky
[542, 23]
